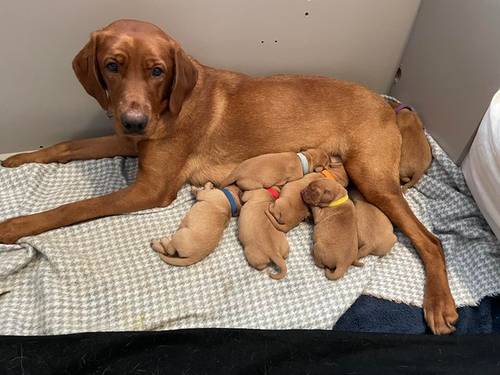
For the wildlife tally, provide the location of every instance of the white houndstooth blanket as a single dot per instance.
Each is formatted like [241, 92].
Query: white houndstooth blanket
[102, 275]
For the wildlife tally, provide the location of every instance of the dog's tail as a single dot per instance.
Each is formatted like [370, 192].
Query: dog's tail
[180, 262]
[281, 264]
[337, 274]
[281, 227]
[408, 183]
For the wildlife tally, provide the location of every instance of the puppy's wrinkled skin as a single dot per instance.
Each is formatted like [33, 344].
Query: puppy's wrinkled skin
[375, 232]
[200, 230]
[275, 169]
[289, 210]
[416, 154]
[262, 242]
[335, 235]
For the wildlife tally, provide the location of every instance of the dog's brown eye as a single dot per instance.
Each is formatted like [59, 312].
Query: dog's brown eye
[156, 71]
[112, 67]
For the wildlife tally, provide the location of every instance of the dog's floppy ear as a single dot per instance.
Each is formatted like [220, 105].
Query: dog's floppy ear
[185, 77]
[87, 71]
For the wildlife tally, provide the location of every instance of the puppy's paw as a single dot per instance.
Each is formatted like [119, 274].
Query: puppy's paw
[157, 246]
[161, 245]
[208, 186]
[195, 190]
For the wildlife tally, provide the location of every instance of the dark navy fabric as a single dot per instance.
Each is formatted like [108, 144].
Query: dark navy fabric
[370, 314]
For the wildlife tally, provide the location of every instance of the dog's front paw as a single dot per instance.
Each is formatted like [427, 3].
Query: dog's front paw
[440, 312]
[10, 231]
[17, 160]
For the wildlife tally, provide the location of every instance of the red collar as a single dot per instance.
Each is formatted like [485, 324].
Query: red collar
[275, 193]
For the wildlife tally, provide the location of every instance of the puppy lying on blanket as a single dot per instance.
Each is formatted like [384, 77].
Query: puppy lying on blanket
[335, 234]
[416, 155]
[375, 232]
[276, 169]
[289, 210]
[262, 242]
[201, 229]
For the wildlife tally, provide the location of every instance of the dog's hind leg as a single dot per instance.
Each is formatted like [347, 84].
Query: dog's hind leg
[374, 170]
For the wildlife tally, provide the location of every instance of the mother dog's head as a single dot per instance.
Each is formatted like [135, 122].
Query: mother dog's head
[136, 72]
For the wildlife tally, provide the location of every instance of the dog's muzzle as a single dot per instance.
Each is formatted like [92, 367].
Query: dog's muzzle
[134, 122]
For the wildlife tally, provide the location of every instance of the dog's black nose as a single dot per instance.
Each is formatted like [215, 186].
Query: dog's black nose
[134, 122]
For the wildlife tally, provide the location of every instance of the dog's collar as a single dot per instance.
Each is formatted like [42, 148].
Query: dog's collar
[232, 202]
[339, 201]
[275, 193]
[304, 162]
[328, 174]
[402, 106]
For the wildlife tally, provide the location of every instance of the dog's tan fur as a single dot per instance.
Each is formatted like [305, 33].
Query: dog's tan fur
[262, 242]
[267, 170]
[335, 235]
[203, 122]
[416, 154]
[375, 232]
[201, 229]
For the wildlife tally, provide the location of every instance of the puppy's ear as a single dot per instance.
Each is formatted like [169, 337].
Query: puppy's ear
[311, 195]
[185, 77]
[332, 191]
[87, 71]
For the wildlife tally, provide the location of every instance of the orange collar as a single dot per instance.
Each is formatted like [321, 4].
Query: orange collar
[328, 174]
[275, 193]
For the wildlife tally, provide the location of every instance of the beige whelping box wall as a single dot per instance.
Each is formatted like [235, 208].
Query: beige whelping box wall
[451, 68]
[42, 103]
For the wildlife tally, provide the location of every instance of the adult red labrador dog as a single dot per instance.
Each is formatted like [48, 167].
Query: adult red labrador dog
[188, 122]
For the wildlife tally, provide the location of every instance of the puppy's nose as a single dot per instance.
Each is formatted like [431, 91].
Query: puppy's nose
[134, 122]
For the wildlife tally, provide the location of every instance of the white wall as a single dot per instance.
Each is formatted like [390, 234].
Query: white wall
[451, 68]
[41, 102]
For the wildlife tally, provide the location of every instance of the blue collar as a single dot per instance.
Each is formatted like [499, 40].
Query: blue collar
[232, 202]
[303, 162]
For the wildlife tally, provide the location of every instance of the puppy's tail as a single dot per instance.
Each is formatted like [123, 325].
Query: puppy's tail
[337, 274]
[180, 262]
[281, 264]
[281, 227]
